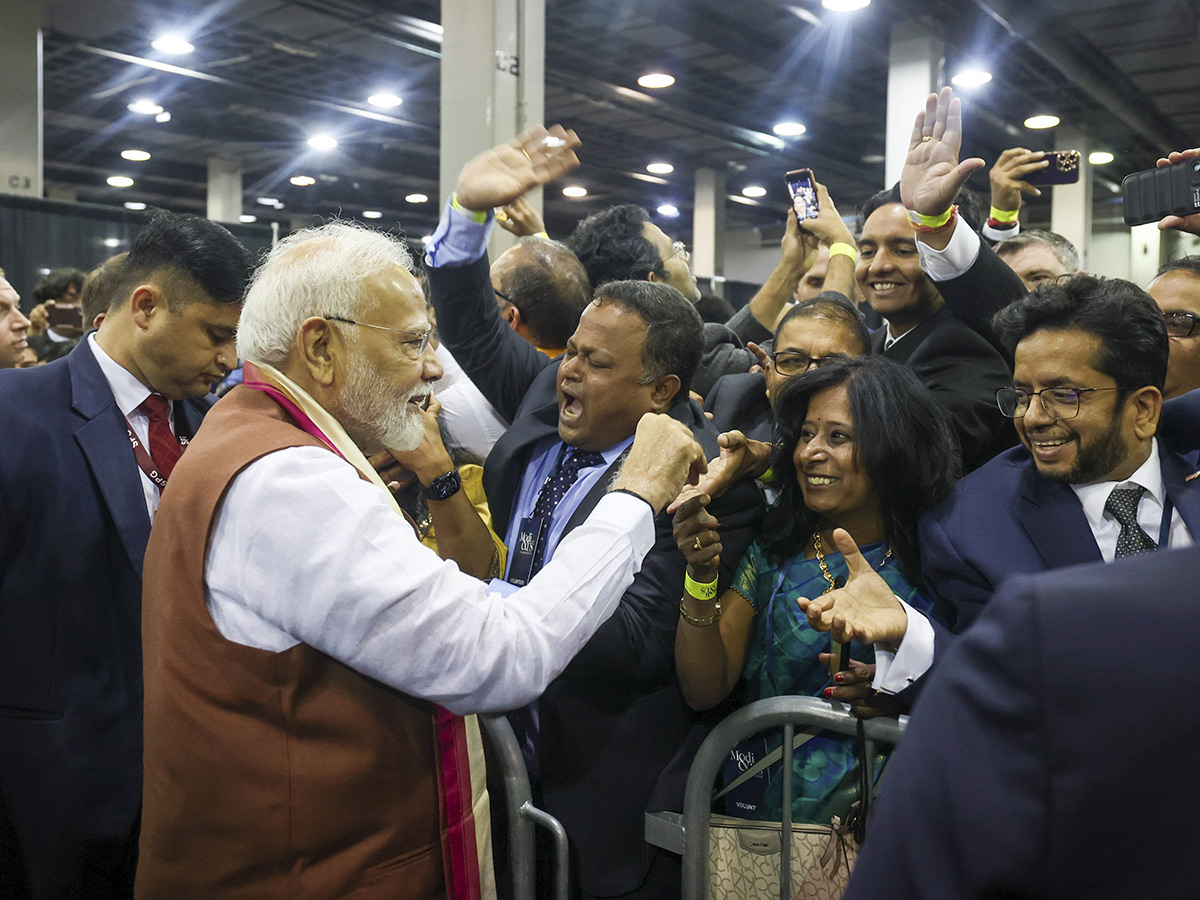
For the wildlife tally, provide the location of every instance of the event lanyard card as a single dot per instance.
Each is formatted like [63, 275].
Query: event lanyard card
[520, 563]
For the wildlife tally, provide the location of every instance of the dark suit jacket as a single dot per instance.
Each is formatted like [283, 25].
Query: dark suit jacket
[983, 290]
[1040, 762]
[1005, 518]
[73, 530]
[615, 735]
[740, 401]
[962, 371]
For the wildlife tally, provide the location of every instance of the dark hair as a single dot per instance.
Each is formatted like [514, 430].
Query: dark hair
[99, 288]
[902, 440]
[186, 252]
[550, 287]
[673, 328]
[970, 207]
[56, 283]
[1190, 264]
[1133, 338]
[612, 246]
[1064, 251]
[834, 308]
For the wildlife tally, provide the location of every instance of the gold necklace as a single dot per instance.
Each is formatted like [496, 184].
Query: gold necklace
[833, 585]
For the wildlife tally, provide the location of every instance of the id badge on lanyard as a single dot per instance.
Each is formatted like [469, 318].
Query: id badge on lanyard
[520, 560]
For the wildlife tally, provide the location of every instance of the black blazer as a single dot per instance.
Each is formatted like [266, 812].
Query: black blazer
[615, 736]
[740, 402]
[73, 531]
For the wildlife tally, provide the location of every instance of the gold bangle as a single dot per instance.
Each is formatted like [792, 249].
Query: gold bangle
[1004, 215]
[705, 591]
[701, 622]
[841, 248]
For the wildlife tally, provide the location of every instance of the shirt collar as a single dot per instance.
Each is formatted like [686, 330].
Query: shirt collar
[127, 390]
[1148, 475]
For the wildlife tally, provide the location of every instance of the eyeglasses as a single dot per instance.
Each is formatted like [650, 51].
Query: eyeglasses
[417, 346]
[679, 248]
[789, 362]
[1058, 402]
[503, 296]
[1179, 324]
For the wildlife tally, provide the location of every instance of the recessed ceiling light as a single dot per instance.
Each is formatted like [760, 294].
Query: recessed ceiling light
[135, 155]
[302, 180]
[135, 205]
[385, 100]
[1100, 157]
[416, 198]
[372, 214]
[754, 190]
[969, 78]
[121, 181]
[668, 210]
[322, 142]
[111, 242]
[247, 219]
[173, 44]
[162, 118]
[144, 107]
[268, 201]
[872, 159]
[660, 168]
[1041, 121]
[656, 80]
[845, 5]
[788, 129]
[574, 190]
[426, 238]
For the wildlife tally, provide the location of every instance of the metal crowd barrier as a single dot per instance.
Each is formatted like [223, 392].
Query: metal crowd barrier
[522, 815]
[687, 834]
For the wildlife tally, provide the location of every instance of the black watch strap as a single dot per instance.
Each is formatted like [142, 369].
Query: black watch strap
[443, 487]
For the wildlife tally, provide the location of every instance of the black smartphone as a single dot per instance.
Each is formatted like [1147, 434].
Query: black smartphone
[1172, 190]
[1063, 168]
[64, 316]
[804, 193]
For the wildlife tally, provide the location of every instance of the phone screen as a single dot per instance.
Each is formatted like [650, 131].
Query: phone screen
[804, 193]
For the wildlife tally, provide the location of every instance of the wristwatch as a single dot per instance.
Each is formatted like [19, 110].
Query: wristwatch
[443, 487]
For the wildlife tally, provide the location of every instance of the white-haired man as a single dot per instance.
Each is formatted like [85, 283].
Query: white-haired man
[307, 672]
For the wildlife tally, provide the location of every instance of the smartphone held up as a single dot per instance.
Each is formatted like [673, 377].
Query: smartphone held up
[803, 190]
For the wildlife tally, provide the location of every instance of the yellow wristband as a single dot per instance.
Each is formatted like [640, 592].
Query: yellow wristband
[767, 477]
[928, 221]
[478, 217]
[841, 248]
[1004, 215]
[696, 589]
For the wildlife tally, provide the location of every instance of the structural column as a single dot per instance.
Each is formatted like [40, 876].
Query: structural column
[1071, 204]
[493, 81]
[224, 189]
[914, 72]
[21, 99]
[708, 229]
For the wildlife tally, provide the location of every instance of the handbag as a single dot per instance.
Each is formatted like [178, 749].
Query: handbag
[745, 855]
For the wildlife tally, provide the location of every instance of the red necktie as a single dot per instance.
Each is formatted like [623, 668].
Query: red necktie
[164, 446]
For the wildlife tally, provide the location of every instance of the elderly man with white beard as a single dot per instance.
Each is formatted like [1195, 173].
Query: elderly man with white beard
[308, 662]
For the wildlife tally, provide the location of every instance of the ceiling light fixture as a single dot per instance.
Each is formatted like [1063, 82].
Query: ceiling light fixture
[135, 205]
[144, 107]
[372, 214]
[246, 220]
[135, 155]
[385, 100]
[1043, 121]
[322, 142]
[172, 44]
[574, 191]
[872, 159]
[845, 5]
[656, 80]
[1100, 157]
[120, 181]
[426, 238]
[268, 201]
[416, 198]
[660, 168]
[302, 180]
[754, 190]
[788, 129]
[162, 118]
[668, 210]
[970, 78]
[111, 242]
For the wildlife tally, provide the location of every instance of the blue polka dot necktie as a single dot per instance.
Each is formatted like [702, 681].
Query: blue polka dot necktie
[565, 474]
[1122, 505]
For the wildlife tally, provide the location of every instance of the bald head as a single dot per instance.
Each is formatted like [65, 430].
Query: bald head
[542, 289]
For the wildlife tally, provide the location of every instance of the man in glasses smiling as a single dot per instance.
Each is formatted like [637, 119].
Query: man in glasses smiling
[1176, 290]
[1091, 481]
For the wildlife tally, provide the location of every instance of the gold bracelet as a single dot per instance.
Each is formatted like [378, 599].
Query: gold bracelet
[841, 248]
[701, 622]
[705, 591]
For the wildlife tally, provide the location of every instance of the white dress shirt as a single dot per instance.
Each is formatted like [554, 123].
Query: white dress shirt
[1107, 529]
[957, 256]
[130, 394]
[303, 550]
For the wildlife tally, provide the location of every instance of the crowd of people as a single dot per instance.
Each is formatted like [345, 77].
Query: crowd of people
[243, 643]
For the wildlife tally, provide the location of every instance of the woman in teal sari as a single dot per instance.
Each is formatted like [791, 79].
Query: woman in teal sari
[861, 446]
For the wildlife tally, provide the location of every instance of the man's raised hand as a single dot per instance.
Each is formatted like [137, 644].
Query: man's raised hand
[499, 176]
[932, 175]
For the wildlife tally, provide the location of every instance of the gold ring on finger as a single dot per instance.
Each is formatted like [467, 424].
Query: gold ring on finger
[926, 138]
[696, 543]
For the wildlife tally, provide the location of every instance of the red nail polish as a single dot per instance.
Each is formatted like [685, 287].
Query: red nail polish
[828, 692]
[839, 677]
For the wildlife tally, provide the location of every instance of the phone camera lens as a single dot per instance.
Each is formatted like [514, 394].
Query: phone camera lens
[1196, 166]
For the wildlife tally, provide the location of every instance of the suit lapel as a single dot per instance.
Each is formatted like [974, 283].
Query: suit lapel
[1185, 495]
[105, 444]
[907, 343]
[1053, 518]
[506, 464]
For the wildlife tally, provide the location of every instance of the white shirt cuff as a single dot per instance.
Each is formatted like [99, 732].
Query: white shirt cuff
[896, 671]
[960, 254]
[1001, 234]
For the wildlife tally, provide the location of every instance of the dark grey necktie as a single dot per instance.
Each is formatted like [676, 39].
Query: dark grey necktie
[1122, 505]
